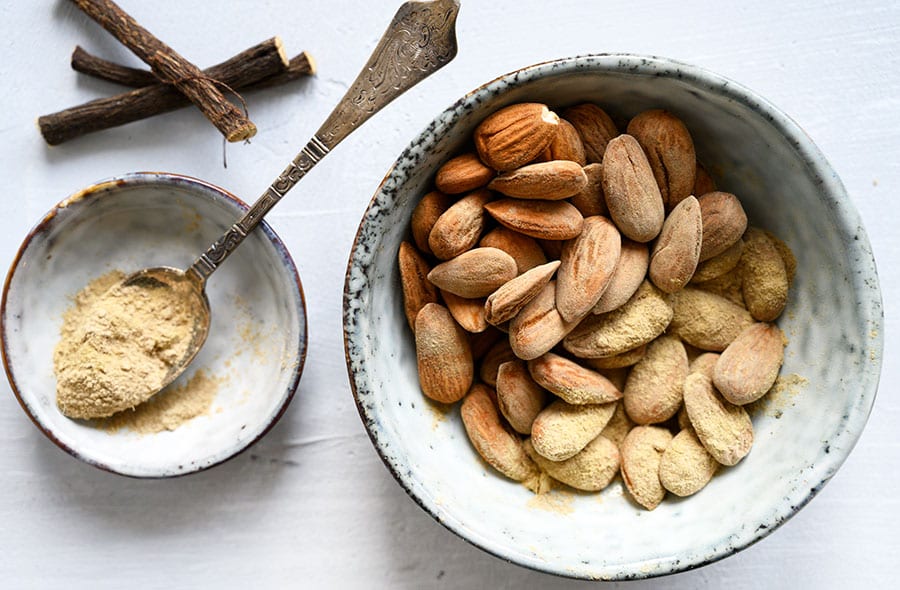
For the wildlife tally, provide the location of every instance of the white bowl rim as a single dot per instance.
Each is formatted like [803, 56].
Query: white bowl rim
[207, 190]
[849, 221]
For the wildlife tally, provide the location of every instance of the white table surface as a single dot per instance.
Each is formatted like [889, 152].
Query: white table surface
[311, 505]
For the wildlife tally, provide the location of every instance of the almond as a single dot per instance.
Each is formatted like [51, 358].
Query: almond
[626, 278]
[632, 196]
[591, 470]
[642, 452]
[594, 127]
[468, 313]
[729, 285]
[475, 273]
[417, 290]
[462, 174]
[496, 356]
[704, 363]
[653, 391]
[588, 263]
[618, 426]
[705, 320]
[507, 301]
[724, 222]
[703, 182]
[552, 248]
[749, 366]
[520, 398]
[538, 327]
[590, 200]
[566, 145]
[719, 264]
[482, 342]
[515, 135]
[643, 318]
[562, 430]
[443, 355]
[625, 359]
[500, 448]
[724, 428]
[572, 382]
[525, 250]
[670, 151]
[425, 215]
[551, 181]
[677, 249]
[765, 279]
[551, 220]
[790, 262]
[459, 227]
[686, 467]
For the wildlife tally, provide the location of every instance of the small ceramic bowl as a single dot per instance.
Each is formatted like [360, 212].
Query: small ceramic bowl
[257, 339]
[803, 433]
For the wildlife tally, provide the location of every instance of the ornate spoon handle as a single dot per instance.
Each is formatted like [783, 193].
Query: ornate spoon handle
[420, 40]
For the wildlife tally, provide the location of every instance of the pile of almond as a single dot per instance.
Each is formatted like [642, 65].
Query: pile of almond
[596, 303]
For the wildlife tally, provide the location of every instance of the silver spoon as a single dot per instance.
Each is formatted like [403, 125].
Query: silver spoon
[420, 40]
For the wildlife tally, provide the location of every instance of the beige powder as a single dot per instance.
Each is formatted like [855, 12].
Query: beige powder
[117, 345]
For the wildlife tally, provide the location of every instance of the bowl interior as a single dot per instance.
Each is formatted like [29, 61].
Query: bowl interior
[803, 432]
[257, 338]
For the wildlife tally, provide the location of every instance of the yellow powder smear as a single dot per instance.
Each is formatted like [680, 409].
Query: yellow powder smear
[168, 409]
[558, 501]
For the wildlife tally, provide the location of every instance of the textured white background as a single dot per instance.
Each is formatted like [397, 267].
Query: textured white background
[311, 505]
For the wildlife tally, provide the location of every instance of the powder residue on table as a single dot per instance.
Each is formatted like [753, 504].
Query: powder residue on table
[169, 409]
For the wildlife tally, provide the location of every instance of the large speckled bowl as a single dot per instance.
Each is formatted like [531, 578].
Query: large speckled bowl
[803, 432]
[257, 338]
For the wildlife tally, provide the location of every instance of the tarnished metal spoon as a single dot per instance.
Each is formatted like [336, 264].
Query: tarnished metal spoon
[420, 40]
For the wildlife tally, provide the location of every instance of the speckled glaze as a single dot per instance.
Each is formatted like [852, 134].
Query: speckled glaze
[803, 434]
[257, 340]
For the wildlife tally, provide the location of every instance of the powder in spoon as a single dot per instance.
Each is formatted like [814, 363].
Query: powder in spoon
[117, 345]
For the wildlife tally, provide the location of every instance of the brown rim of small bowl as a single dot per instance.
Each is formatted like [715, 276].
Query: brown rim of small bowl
[138, 179]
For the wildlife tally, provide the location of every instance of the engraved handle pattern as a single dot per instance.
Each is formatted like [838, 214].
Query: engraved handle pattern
[420, 40]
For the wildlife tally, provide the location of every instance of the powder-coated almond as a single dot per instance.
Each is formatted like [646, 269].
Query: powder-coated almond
[643, 318]
[462, 174]
[719, 264]
[703, 182]
[515, 135]
[590, 200]
[498, 354]
[705, 320]
[417, 290]
[476, 273]
[765, 280]
[724, 222]
[550, 220]
[618, 426]
[677, 249]
[728, 285]
[594, 127]
[670, 151]
[591, 470]
[642, 452]
[686, 466]
[632, 196]
[525, 250]
[625, 359]
[562, 430]
[749, 366]
[790, 261]
[572, 382]
[425, 215]
[519, 397]
[588, 263]
[500, 448]
[551, 181]
[443, 355]
[459, 227]
[653, 392]
[724, 428]
[627, 277]
[538, 327]
[566, 145]
[507, 301]
[704, 363]
[468, 313]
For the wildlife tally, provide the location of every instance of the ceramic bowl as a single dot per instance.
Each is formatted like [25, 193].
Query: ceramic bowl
[803, 434]
[257, 339]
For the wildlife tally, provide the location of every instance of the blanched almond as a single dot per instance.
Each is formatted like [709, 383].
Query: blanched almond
[468, 313]
[686, 467]
[507, 301]
[572, 382]
[705, 320]
[519, 397]
[515, 135]
[642, 452]
[653, 392]
[551, 181]
[670, 151]
[462, 174]
[628, 275]
[425, 215]
[590, 200]
[476, 273]
[632, 196]
[594, 127]
[562, 430]
[459, 227]
[591, 470]
[724, 428]
[724, 221]
[749, 366]
[443, 355]
[551, 220]
[588, 263]
[525, 250]
[538, 327]
[417, 290]
[764, 276]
